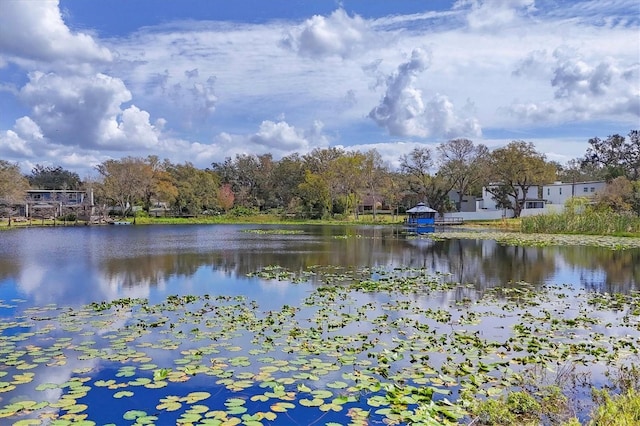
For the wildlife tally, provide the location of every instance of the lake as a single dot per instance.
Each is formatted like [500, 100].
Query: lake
[222, 324]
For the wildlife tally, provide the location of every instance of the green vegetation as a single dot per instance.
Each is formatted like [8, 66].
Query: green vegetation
[619, 410]
[579, 217]
[510, 355]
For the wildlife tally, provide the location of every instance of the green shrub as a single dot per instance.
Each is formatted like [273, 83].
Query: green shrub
[239, 211]
[518, 408]
[620, 410]
[69, 217]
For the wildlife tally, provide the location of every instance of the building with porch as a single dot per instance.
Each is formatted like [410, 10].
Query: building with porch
[51, 203]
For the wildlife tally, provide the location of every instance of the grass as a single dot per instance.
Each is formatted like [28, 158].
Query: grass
[588, 222]
[261, 218]
[585, 223]
[523, 408]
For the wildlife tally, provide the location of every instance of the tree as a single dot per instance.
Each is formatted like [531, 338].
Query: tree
[347, 176]
[314, 195]
[619, 156]
[157, 183]
[124, 182]
[619, 195]
[248, 176]
[321, 161]
[13, 187]
[576, 170]
[433, 189]
[415, 166]
[285, 180]
[374, 171]
[463, 164]
[53, 178]
[225, 197]
[391, 188]
[513, 170]
[197, 189]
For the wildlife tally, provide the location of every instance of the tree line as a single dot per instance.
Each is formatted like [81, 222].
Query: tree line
[333, 181]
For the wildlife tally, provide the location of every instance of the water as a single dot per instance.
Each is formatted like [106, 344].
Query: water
[75, 266]
[61, 270]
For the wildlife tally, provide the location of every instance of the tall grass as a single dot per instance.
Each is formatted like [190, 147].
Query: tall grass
[583, 219]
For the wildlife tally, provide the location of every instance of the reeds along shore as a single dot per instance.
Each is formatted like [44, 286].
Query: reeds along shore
[589, 222]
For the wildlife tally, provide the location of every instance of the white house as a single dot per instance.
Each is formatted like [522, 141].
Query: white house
[532, 199]
[559, 192]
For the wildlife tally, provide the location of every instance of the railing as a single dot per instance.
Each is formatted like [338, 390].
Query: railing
[449, 220]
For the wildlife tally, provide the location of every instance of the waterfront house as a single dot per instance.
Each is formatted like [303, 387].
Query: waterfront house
[560, 192]
[58, 202]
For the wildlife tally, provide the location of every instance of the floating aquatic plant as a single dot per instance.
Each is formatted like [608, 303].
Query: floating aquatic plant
[363, 346]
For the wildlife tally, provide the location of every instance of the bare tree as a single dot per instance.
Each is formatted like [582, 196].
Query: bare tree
[463, 164]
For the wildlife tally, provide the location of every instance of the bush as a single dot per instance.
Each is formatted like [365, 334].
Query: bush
[239, 211]
[69, 217]
[620, 410]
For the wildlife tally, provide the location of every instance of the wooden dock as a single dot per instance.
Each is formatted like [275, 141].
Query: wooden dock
[446, 221]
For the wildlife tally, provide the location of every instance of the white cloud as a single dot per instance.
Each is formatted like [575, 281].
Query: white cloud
[443, 120]
[338, 34]
[492, 14]
[279, 136]
[133, 129]
[284, 138]
[403, 112]
[27, 129]
[85, 111]
[34, 30]
[220, 85]
[583, 88]
[13, 146]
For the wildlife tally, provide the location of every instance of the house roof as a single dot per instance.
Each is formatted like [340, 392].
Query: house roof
[421, 208]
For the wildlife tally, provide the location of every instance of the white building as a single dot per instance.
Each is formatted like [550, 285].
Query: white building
[559, 192]
[532, 199]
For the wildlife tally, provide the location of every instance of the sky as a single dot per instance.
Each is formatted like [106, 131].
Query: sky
[198, 81]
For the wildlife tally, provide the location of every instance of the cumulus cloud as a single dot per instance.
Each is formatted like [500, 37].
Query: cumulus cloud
[283, 137]
[403, 112]
[13, 146]
[87, 111]
[574, 77]
[401, 109]
[277, 138]
[338, 34]
[443, 120]
[582, 88]
[34, 30]
[27, 129]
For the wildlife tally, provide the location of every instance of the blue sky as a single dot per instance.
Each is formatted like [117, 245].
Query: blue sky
[200, 80]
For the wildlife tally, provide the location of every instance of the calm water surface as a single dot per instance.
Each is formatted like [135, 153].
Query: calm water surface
[72, 267]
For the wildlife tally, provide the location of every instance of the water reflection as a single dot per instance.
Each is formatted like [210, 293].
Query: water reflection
[79, 265]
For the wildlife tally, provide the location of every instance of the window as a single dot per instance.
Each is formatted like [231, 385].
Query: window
[585, 189]
[560, 190]
[36, 196]
[548, 191]
[593, 189]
